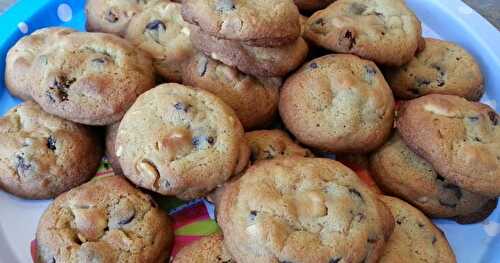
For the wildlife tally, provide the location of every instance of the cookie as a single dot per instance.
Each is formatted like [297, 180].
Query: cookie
[104, 220]
[191, 144]
[265, 23]
[300, 209]
[459, 138]
[113, 16]
[384, 31]
[441, 68]
[271, 144]
[21, 56]
[42, 155]
[338, 103]
[207, 249]
[257, 61]
[90, 78]
[312, 5]
[111, 132]
[161, 31]
[415, 237]
[401, 172]
[255, 100]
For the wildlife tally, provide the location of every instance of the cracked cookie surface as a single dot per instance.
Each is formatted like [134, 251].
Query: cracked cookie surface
[161, 31]
[255, 100]
[443, 68]
[401, 172]
[302, 210]
[208, 249]
[90, 78]
[189, 143]
[105, 220]
[415, 237]
[338, 103]
[264, 23]
[384, 31]
[42, 155]
[459, 138]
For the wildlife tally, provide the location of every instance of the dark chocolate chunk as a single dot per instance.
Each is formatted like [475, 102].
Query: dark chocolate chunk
[253, 215]
[493, 117]
[51, 143]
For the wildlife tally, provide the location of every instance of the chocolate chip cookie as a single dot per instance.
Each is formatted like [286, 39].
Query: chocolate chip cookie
[271, 144]
[459, 138]
[42, 155]
[104, 220]
[312, 5]
[90, 78]
[161, 31]
[257, 61]
[111, 131]
[401, 172]
[208, 249]
[255, 100]
[21, 56]
[264, 23]
[415, 237]
[442, 68]
[189, 141]
[384, 31]
[300, 209]
[338, 103]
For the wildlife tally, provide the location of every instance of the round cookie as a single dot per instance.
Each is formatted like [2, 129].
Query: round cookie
[192, 142]
[271, 144]
[415, 237]
[338, 103]
[442, 68]
[90, 78]
[161, 31]
[111, 132]
[113, 16]
[104, 220]
[459, 138]
[207, 249]
[255, 100]
[42, 155]
[257, 61]
[312, 5]
[265, 23]
[21, 56]
[384, 31]
[300, 209]
[401, 172]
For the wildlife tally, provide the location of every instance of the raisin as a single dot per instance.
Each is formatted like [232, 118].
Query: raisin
[493, 117]
[350, 38]
[58, 91]
[224, 5]
[253, 215]
[156, 25]
[51, 143]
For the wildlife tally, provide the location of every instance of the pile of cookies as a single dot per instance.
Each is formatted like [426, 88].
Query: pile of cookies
[185, 91]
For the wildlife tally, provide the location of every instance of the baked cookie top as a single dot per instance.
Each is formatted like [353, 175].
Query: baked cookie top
[459, 138]
[161, 31]
[105, 220]
[415, 237]
[207, 249]
[42, 155]
[254, 22]
[255, 100]
[90, 78]
[338, 103]
[401, 172]
[302, 210]
[271, 144]
[443, 68]
[189, 142]
[384, 31]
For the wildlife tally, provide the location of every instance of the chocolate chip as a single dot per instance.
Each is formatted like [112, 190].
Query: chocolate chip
[111, 16]
[357, 8]
[182, 106]
[51, 143]
[253, 215]
[493, 117]
[224, 5]
[356, 193]
[127, 219]
[313, 65]
[210, 140]
[22, 164]
[440, 82]
[201, 68]
[156, 25]
[269, 155]
[350, 38]
[335, 260]
[58, 91]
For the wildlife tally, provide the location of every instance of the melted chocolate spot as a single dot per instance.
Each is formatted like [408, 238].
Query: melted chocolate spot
[51, 143]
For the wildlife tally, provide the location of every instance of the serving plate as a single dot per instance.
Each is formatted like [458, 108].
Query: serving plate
[446, 19]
